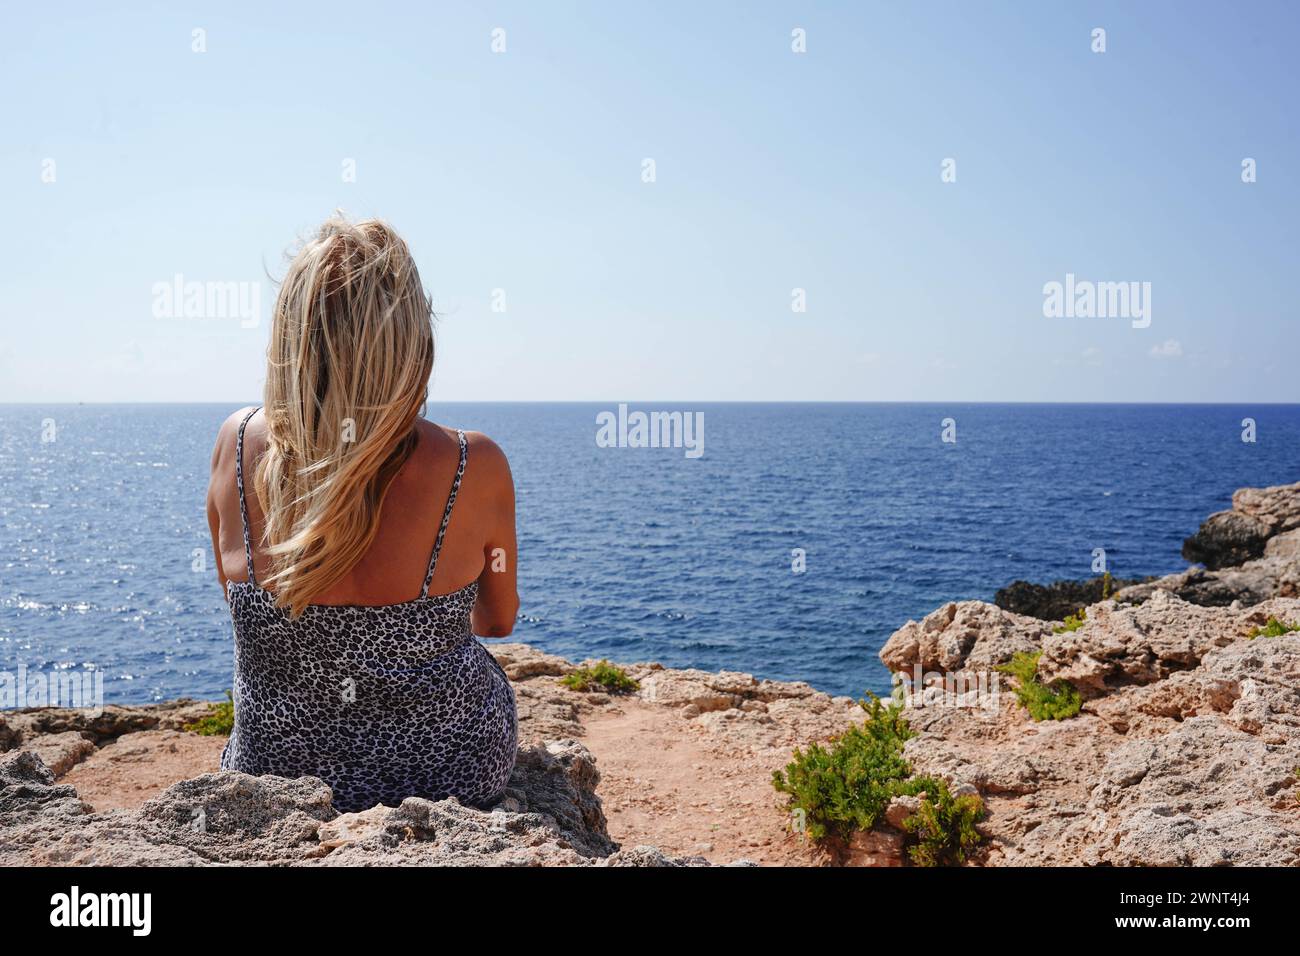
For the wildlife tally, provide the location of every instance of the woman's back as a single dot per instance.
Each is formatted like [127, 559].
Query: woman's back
[479, 535]
[361, 547]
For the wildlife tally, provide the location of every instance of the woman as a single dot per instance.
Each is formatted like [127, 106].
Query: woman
[329, 506]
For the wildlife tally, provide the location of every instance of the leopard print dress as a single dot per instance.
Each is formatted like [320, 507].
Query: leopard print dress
[381, 703]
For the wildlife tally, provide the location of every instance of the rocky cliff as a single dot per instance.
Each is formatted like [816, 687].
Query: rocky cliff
[1249, 553]
[1186, 750]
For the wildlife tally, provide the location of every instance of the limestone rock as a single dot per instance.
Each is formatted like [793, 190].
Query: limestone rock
[550, 815]
[962, 635]
[28, 792]
[880, 847]
[1185, 752]
[1226, 539]
[653, 856]
[1204, 794]
[1234, 537]
[1120, 645]
[1058, 600]
[1277, 507]
[60, 752]
[1275, 574]
[1250, 553]
[111, 721]
[708, 691]
[522, 661]
[899, 809]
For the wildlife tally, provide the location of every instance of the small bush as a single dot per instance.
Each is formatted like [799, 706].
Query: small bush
[944, 825]
[218, 722]
[1072, 622]
[847, 786]
[1023, 666]
[604, 675]
[1055, 701]
[1274, 628]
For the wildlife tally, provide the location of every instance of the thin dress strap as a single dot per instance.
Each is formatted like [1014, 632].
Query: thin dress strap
[243, 504]
[446, 515]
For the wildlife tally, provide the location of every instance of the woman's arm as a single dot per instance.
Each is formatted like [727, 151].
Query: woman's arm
[221, 487]
[498, 600]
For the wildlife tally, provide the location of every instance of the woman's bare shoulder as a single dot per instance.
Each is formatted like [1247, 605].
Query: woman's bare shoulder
[485, 450]
[228, 435]
[484, 457]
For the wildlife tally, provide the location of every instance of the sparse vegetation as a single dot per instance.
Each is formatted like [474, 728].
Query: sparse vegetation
[944, 825]
[1055, 701]
[603, 676]
[1274, 628]
[218, 722]
[1073, 622]
[846, 787]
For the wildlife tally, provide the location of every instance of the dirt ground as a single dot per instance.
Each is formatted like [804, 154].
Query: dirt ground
[664, 781]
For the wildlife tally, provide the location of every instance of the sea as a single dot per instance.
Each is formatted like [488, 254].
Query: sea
[790, 543]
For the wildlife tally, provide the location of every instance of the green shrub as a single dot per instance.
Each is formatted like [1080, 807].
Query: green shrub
[944, 825]
[846, 786]
[1055, 701]
[1274, 628]
[218, 722]
[1072, 622]
[603, 675]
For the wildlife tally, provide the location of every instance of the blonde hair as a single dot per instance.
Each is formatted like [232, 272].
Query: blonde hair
[347, 370]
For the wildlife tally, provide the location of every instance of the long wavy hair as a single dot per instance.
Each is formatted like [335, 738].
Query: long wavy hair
[347, 370]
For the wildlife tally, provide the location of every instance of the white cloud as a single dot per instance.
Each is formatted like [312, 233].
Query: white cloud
[1168, 349]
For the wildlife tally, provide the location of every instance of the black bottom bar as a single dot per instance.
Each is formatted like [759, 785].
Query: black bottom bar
[332, 905]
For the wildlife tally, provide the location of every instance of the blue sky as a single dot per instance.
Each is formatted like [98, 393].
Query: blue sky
[522, 171]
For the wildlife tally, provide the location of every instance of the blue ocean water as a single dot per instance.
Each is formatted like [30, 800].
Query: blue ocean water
[644, 554]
